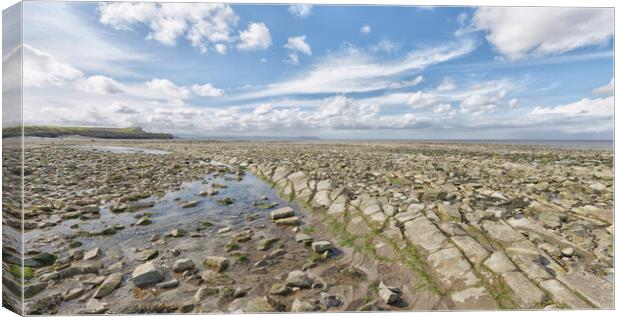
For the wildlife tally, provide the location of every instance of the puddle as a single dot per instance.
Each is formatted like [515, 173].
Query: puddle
[167, 214]
[119, 149]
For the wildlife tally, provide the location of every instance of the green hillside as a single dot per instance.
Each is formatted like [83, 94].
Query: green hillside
[103, 133]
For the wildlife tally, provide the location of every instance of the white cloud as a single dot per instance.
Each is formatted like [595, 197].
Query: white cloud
[513, 103]
[207, 90]
[386, 46]
[518, 32]
[406, 83]
[447, 84]
[221, 48]
[300, 10]
[442, 108]
[100, 85]
[56, 27]
[203, 24]
[421, 99]
[606, 89]
[256, 37]
[299, 44]
[366, 29]
[263, 109]
[354, 71]
[603, 107]
[42, 69]
[293, 58]
[168, 90]
[482, 102]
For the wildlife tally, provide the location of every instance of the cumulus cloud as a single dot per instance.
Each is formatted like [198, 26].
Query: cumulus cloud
[256, 37]
[207, 90]
[203, 24]
[482, 102]
[168, 90]
[365, 29]
[299, 44]
[606, 89]
[263, 109]
[447, 84]
[513, 103]
[100, 85]
[42, 69]
[603, 107]
[519, 32]
[300, 10]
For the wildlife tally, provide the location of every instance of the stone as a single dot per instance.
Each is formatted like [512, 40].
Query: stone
[290, 221]
[596, 290]
[190, 204]
[568, 251]
[148, 254]
[177, 233]
[452, 268]
[147, 274]
[302, 237]
[321, 246]
[205, 292]
[111, 283]
[216, 263]
[300, 306]
[259, 305]
[266, 243]
[474, 252]
[92, 254]
[562, 295]
[502, 232]
[329, 300]
[298, 279]
[550, 220]
[499, 263]
[389, 295]
[144, 221]
[33, 289]
[526, 294]
[168, 284]
[182, 265]
[281, 213]
[279, 289]
[74, 293]
[423, 234]
[94, 306]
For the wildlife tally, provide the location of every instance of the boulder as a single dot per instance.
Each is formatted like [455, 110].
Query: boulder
[147, 274]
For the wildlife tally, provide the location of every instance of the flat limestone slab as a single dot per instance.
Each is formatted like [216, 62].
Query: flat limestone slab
[471, 248]
[562, 295]
[452, 268]
[526, 293]
[502, 232]
[598, 291]
[423, 234]
[473, 298]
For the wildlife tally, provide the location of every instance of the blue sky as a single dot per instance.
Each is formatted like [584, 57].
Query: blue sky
[325, 71]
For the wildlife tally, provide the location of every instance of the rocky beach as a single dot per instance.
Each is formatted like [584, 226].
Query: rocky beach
[182, 226]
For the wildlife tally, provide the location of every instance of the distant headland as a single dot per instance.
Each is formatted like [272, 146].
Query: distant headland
[46, 131]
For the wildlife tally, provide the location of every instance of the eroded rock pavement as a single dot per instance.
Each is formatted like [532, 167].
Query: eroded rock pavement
[191, 226]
